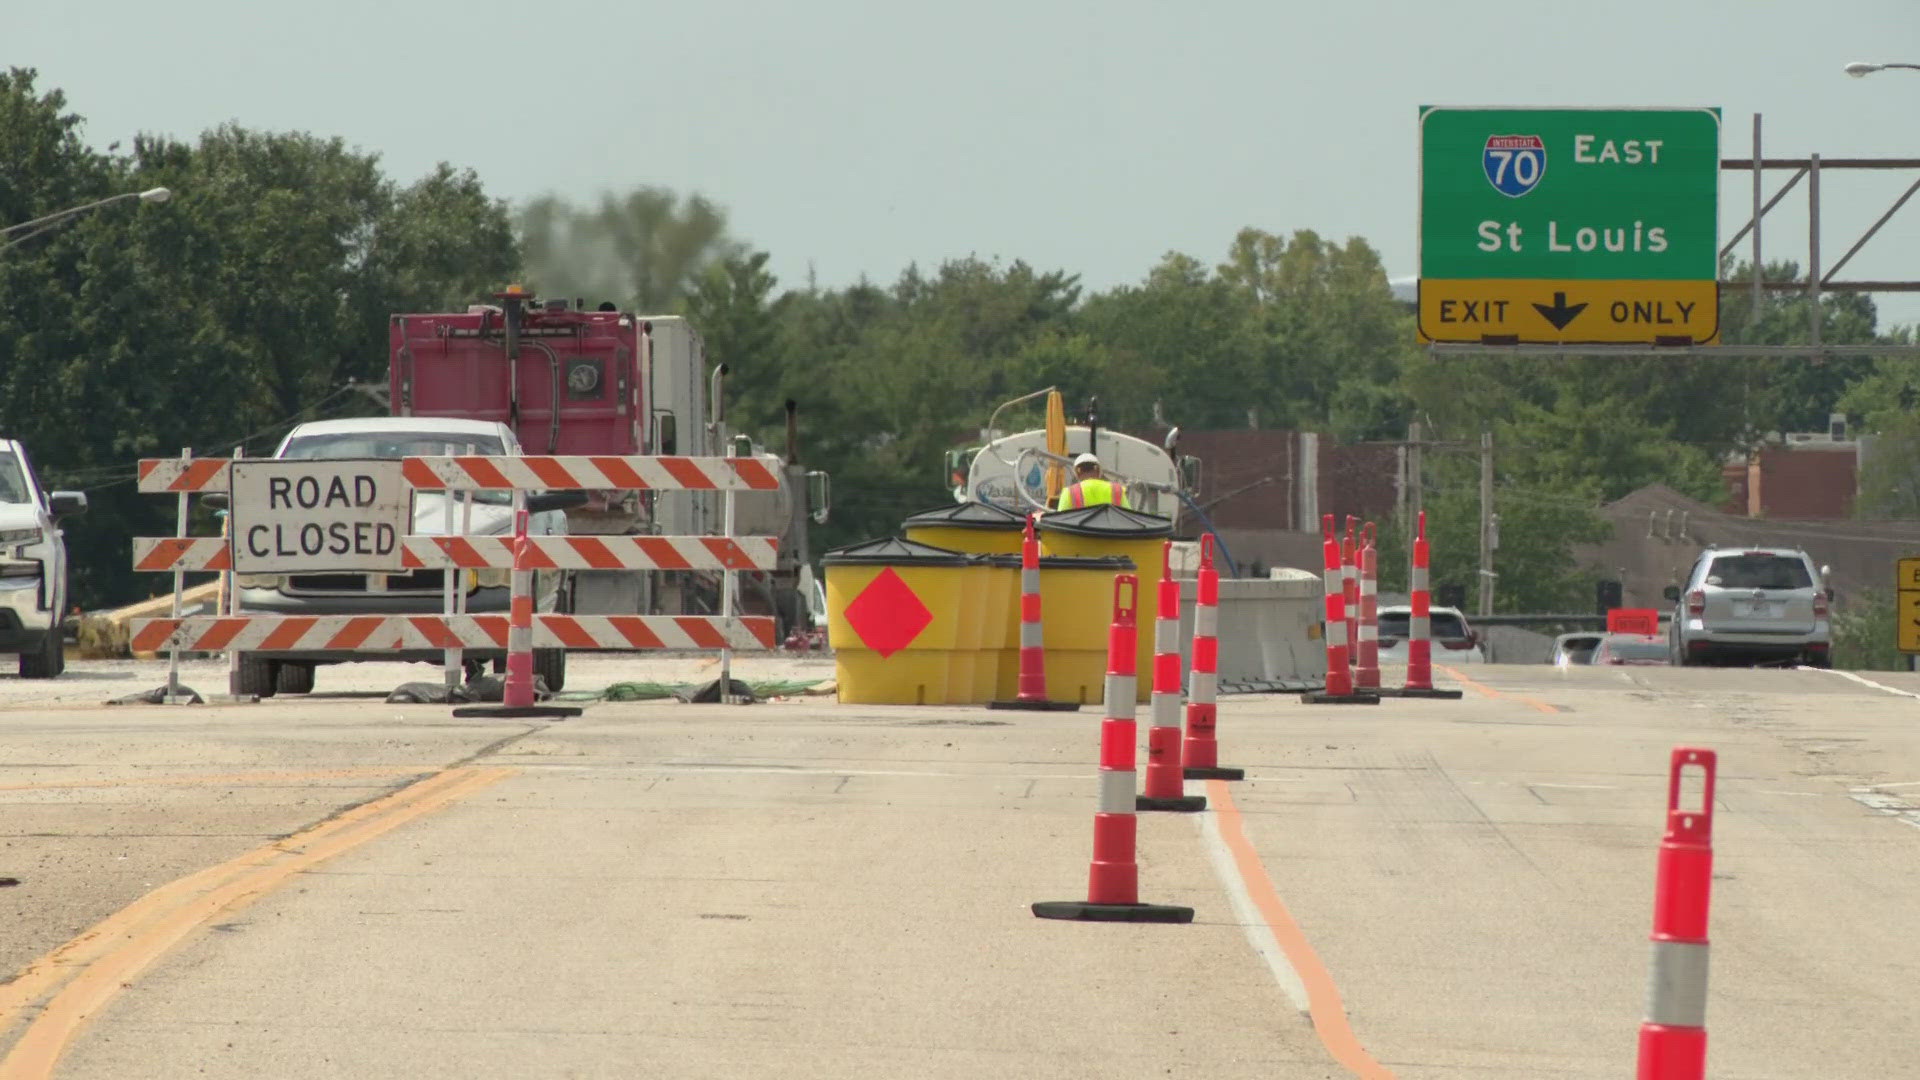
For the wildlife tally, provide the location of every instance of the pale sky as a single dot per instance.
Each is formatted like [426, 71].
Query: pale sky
[858, 136]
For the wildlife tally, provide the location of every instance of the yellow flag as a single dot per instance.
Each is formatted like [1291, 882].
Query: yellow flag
[1056, 445]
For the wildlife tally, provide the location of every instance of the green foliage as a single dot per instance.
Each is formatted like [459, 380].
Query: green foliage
[216, 320]
[644, 250]
[1865, 633]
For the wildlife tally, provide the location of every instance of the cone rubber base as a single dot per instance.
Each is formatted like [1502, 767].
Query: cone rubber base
[1082, 911]
[1036, 706]
[1429, 692]
[1208, 772]
[1321, 697]
[519, 712]
[1183, 804]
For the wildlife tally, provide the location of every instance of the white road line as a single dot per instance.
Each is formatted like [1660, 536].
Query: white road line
[1890, 806]
[1259, 934]
[1866, 682]
[1903, 783]
[1579, 787]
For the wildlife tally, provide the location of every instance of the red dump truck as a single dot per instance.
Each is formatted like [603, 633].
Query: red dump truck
[568, 380]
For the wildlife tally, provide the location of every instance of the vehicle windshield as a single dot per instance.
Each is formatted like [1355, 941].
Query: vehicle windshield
[1580, 648]
[392, 445]
[1636, 648]
[1399, 624]
[1759, 571]
[13, 480]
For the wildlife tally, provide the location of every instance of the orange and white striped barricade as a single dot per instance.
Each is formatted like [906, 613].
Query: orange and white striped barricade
[1113, 880]
[521, 630]
[1031, 694]
[1366, 669]
[1201, 752]
[1339, 689]
[1164, 786]
[1419, 681]
[1673, 1038]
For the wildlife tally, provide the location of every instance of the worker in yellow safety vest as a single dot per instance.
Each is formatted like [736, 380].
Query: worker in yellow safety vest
[1089, 487]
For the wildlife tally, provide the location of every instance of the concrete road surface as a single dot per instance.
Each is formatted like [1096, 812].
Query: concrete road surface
[341, 887]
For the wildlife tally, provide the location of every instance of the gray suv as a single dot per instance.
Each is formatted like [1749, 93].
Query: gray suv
[1751, 605]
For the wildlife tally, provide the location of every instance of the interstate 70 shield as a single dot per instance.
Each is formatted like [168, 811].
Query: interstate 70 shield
[1514, 163]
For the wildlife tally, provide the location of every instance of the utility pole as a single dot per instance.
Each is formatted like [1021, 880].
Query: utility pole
[1486, 523]
[1416, 432]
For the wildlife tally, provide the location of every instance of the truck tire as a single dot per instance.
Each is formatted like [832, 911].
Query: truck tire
[292, 677]
[254, 677]
[550, 667]
[46, 661]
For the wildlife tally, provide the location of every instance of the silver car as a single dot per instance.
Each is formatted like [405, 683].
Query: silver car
[1751, 605]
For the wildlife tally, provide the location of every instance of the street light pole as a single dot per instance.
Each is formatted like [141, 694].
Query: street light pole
[1860, 69]
[42, 224]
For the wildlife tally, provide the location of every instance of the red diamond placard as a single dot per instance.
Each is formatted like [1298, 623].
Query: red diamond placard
[887, 615]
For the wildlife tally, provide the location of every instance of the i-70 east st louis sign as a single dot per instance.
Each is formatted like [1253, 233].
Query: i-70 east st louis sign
[1569, 226]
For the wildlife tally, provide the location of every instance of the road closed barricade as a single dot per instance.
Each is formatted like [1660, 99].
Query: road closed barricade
[318, 517]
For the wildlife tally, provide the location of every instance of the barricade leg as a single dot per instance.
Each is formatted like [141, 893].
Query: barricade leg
[1032, 693]
[1339, 690]
[1165, 787]
[1673, 1038]
[518, 699]
[1113, 885]
[1201, 752]
[1419, 682]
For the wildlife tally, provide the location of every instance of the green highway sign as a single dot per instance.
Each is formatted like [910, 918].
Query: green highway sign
[1569, 225]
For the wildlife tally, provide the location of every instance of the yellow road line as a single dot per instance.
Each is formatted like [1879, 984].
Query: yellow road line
[1489, 691]
[108, 956]
[217, 779]
[1324, 1006]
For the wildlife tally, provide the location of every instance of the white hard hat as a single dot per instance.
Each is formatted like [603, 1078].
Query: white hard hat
[1085, 459]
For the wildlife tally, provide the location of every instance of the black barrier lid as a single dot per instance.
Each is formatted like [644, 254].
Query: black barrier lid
[1116, 564]
[893, 551]
[967, 515]
[1107, 519]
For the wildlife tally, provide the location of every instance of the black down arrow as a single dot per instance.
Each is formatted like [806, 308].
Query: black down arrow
[1561, 313]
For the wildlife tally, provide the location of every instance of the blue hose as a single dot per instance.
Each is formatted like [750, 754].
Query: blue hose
[1218, 540]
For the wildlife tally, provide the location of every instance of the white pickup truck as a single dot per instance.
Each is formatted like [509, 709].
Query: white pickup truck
[33, 564]
[417, 592]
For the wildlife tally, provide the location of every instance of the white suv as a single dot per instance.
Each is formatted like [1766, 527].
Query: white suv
[1751, 605]
[33, 564]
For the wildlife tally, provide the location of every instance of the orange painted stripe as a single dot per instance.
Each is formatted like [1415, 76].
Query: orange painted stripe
[494, 626]
[356, 632]
[484, 472]
[287, 635]
[550, 472]
[1329, 1015]
[222, 633]
[635, 630]
[199, 474]
[152, 926]
[219, 779]
[664, 554]
[755, 473]
[622, 474]
[1488, 691]
[571, 634]
[687, 474]
[596, 553]
[153, 635]
[702, 630]
[419, 475]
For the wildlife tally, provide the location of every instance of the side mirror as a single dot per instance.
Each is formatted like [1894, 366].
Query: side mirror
[1190, 474]
[819, 495]
[1672, 593]
[555, 500]
[217, 500]
[66, 503]
[665, 433]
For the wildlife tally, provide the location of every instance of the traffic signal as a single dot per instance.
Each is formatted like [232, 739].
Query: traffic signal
[1608, 595]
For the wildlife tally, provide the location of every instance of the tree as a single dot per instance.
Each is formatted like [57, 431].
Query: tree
[643, 250]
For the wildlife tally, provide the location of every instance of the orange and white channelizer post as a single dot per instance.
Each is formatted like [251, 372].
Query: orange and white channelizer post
[1366, 671]
[519, 687]
[1201, 752]
[1113, 880]
[1031, 690]
[1339, 681]
[1165, 787]
[1673, 1038]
